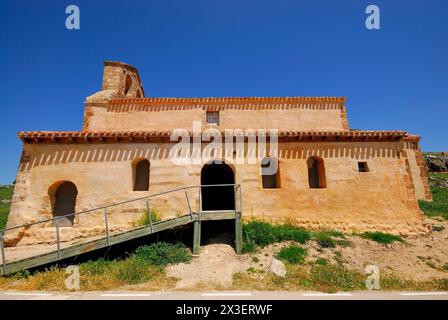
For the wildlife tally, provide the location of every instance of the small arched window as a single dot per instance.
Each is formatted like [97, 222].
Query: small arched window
[316, 172]
[141, 175]
[63, 201]
[270, 174]
[127, 84]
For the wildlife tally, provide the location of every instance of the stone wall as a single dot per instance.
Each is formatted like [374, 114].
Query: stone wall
[105, 117]
[436, 161]
[383, 199]
[416, 166]
[121, 106]
[120, 80]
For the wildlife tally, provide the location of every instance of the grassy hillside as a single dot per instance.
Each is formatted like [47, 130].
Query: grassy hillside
[439, 206]
[5, 198]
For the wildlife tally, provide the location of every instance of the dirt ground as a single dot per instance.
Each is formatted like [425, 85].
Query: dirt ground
[417, 259]
[213, 267]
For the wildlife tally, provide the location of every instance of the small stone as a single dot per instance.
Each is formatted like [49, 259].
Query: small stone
[437, 227]
[278, 268]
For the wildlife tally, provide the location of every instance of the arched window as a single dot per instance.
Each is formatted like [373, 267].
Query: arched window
[316, 173]
[141, 175]
[127, 84]
[270, 174]
[63, 200]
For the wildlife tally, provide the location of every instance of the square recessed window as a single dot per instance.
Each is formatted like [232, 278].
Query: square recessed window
[212, 117]
[363, 167]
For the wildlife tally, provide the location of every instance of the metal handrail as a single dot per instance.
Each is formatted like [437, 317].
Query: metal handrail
[104, 208]
[2, 231]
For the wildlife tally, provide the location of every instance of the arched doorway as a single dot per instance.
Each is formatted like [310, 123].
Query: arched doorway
[65, 203]
[217, 198]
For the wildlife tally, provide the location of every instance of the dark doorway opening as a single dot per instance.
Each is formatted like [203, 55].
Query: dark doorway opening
[65, 203]
[218, 232]
[217, 198]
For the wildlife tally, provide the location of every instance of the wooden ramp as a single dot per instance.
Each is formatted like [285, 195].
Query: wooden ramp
[92, 245]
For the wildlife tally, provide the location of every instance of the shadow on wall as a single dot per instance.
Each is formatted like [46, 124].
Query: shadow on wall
[67, 153]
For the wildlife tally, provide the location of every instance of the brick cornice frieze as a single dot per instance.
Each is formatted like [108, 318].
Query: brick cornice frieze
[164, 136]
[215, 104]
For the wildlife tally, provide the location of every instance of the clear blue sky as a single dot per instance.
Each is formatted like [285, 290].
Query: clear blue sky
[393, 78]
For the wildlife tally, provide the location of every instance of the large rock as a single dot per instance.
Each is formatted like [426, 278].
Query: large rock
[436, 162]
[278, 268]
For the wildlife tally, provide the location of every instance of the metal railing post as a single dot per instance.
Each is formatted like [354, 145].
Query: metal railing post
[107, 226]
[200, 202]
[239, 225]
[188, 202]
[58, 243]
[241, 201]
[235, 200]
[3, 254]
[149, 214]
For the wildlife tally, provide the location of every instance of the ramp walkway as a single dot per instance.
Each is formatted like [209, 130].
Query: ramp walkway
[73, 250]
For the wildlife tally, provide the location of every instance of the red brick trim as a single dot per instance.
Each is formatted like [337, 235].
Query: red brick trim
[145, 136]
[216, 104]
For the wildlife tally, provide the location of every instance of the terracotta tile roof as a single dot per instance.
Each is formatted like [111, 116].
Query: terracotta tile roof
[126, 136]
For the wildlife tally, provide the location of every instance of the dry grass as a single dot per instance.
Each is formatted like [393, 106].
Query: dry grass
[119, 276]
[326, 278]
[146, 219]
[139, 268]
[205, 286]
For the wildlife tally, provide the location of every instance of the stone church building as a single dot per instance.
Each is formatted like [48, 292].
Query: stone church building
[329, 176]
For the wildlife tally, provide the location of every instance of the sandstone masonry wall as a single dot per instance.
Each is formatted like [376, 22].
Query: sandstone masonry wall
[380, 200]
[107, 118]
